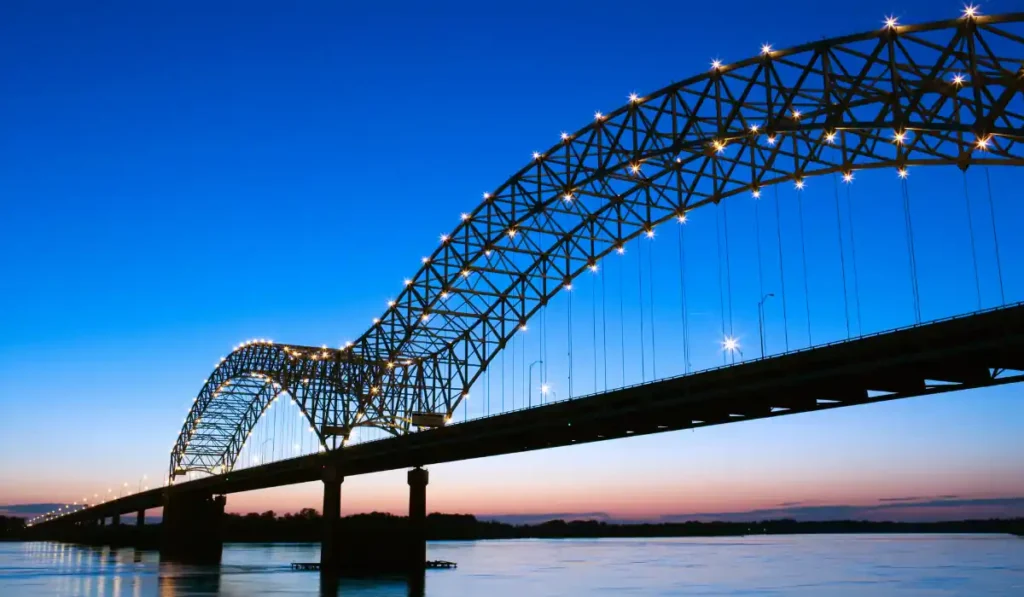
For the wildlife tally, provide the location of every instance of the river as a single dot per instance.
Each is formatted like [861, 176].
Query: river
[804, 565]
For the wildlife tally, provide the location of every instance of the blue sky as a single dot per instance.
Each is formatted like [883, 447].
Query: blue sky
[178, 177]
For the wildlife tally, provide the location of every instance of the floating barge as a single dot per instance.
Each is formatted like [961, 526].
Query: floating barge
[430, 564]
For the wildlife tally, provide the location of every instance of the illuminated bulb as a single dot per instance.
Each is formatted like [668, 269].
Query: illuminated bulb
[891, 22]
[487, 195]
[650, 233]
[544, 388]
[465, 273]
[830, 137]
[799, 184]
[847, 177]
[511, 232]
[598, 116]
[376, 320]
[444, 296]
[522, 328]
[754, 128]
[958, 79]
[716, 64]
[621, 250]
[444, 238]
[593, 267]
[970, 11]
[567, 196]
[425, 260]
[464, 217]
[536, 155]
[565, 136]
[391, 303]
[568, 286]
[634, 168]
[771, 139]
[899, 137]
[902, 172]
[731, 344]
[982, 143]
[756, 193]
[766, 49]
[681, 218]
[634, 98]
[408, 282]
[391, 365]
[719, 146]
[796, 114]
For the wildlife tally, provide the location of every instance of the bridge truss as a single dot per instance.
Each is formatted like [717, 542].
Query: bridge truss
[943, 93]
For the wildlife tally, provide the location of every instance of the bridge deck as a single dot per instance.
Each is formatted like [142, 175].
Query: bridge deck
[977, 350]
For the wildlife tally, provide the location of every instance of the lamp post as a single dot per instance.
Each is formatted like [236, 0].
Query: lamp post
[540, 362]
[143, 478]
[760, 319]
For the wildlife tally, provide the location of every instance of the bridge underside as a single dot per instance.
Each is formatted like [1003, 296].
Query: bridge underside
[973, 351]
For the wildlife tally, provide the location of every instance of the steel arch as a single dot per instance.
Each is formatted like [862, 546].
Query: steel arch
[944, 93]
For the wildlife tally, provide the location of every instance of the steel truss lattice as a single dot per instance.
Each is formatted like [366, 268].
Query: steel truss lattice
[945, 93]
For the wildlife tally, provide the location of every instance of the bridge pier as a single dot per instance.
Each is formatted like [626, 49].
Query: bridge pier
[140, 518]
[115, 520]
[417, 540]
[330, 556]
[192, 528]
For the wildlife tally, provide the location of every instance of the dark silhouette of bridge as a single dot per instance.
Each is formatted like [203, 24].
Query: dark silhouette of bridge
[941, 94]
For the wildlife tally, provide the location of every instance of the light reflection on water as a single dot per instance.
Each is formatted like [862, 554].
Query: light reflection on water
[840, 565]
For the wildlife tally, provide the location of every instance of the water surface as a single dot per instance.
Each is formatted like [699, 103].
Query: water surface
[806, 565]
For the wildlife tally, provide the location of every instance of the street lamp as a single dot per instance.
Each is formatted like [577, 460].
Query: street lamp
[760, 319]
[144, 477]
[538, 362]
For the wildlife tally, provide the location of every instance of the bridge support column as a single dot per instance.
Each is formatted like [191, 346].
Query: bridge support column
[417, 548]
[330, 542]
[140, 518]
[102, 521]
[115, 520]
[191, 529]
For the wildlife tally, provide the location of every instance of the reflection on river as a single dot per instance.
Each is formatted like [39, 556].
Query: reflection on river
[841, 565]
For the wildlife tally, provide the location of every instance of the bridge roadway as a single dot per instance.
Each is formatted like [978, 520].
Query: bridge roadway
[980, 349]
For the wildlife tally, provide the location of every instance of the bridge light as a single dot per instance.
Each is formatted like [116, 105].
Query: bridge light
[830, 137]
[444, 296]
[771, 139]
[799, 184]
[568, 285]
[511, 232]
[536, 155]
[464, 217]
[719, 146]
[796, 114]
[425, 317]
[902, 172]
[593, 267]
[958, 79]
[567, 197]
[544, 388]
[754, 128]
[407, 282]
[681, 218]
[898, 137]
[766, 49]
[376, 320]
[716, 64]
[891, 22]
[971, 11]
[635, 168]
[565, 136]
[465, 273]
[650, 233]
[621, 250]
[634, 98]
[444, 238]
[598, 116]
[756, 193]
[522, 327]
[982, 142]
[391, 303]
[731, 344]
[847, 177]
[487, 196]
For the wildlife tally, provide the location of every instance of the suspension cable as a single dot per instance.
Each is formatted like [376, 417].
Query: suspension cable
[640, 290]
[682, 298]
[650, 293]
[503, 351]
[721, 295]
[995, 237]
[757, 242]
[728, 264]
[622, 315]
[853, 254]
[842, 254]
[604, 330]
[570, 343]
[803, 257]
[593, 325]
[515, 343]
[782, 271]
[908, 223]
[970, 229]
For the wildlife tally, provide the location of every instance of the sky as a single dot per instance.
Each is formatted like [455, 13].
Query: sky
[178, 177]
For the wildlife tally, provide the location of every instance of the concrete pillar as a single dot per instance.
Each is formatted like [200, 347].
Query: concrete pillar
[330, 557]
[418, 479]
[191, 532]
[115, 520]
[103, 521]
[140, 518]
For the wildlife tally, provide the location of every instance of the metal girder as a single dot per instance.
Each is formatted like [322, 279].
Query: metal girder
[944, 93]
